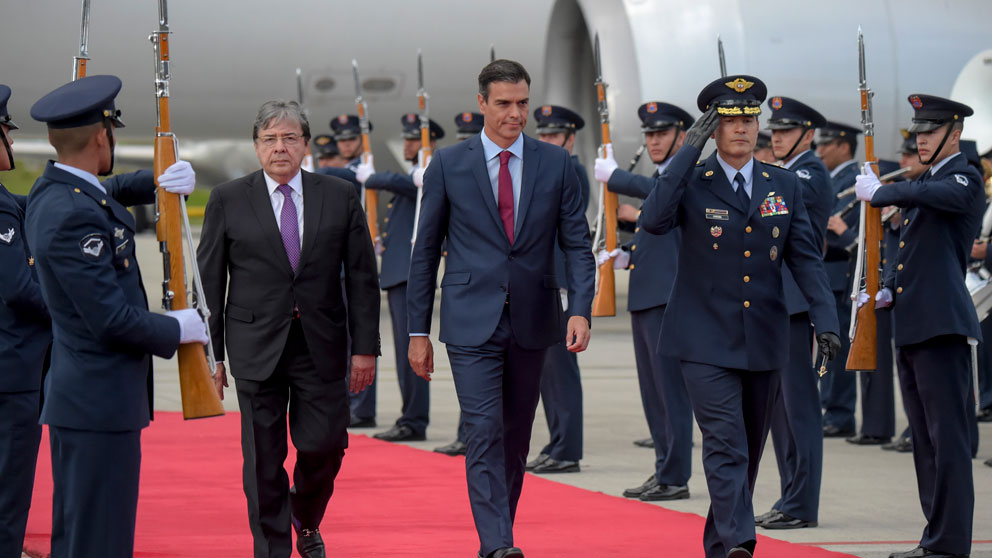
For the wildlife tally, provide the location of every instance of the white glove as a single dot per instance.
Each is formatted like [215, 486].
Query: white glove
[378, 246]
[179, 178]
[191, 327]
[863, 298]
[418, 173]
[620, 258]
[364, 170]
[883, 299]
[866, 184]
[604, 168]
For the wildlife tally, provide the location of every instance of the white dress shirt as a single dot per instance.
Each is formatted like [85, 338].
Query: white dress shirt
[277, 199]
[793, 160]
[841, 167]
[746, 171]
[88, 177]
[938, 166]
[516, 165]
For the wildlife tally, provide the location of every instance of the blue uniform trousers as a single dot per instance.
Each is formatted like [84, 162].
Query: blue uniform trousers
[878, 397]
[985, 365]
[414, 390]
[733, 410]
[665, 399]
[796, 426]
[20, 436]
[561, 393]
[95, 492]
[498, 387]
[935, 376]
[839, 388]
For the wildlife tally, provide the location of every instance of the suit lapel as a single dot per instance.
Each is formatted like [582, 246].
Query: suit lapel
[313, 202]
[531, 169]
[718, 184]
[760, 187]
[261, 205]
[481, 172]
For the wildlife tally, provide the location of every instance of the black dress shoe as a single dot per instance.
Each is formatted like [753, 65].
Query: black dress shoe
[901, 445]
[866, 440]
[539, 460]
[551, 466]
[356, 422]
[988, 462]
[920, 552]
[457, 447]
[509, 552]
[785, 521]
[664, 492]
[985, 415]
[400, 433]
[309, 543]
[739, 552]
[636, 492]
[759, 519]
[644, 443]
[831, 431]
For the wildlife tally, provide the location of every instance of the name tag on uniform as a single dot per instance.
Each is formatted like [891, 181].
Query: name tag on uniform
[772, 206]
[718, 214]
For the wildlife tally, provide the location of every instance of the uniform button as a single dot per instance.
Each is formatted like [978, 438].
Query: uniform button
[386, 220]
[883, 261]
[902, 244]
[747, 304]
[637, 229]
[899, 267]
[899, 290]
[631, 266]
[905, 222]
[638, 211]
[747, 229]
[385, 234]
[747, 278]
[716, 246]
[747, 253]
[634, 247]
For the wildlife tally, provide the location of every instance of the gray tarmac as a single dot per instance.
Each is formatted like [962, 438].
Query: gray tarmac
[868, 506]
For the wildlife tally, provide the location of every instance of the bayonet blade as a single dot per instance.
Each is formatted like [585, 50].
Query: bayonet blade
[599, 60]
[84, 32]
[492, 53]
[163, 15]
[420, 70]
[723, 58]
[862, 74]
[358, 83]
[299, 86]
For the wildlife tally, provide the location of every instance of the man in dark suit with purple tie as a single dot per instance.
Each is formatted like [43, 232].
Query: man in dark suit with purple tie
[499, 199]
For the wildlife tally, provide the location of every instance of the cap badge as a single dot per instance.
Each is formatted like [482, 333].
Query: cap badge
[411, 118]
[322, 140]
[776, 103]
[652, 108]
[904, 132]
[343, 119]
[546, 110]
[916, 102]
[466, 117]
[740, 85]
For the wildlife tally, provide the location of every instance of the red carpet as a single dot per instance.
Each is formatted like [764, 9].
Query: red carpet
[390, 500]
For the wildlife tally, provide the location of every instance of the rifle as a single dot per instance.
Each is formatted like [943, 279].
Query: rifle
[425, 138]
[196, 366]
[371, 196]
[492, 53]
[79, 62]
[723, 59]
[308, 158]
[863, 324]
[605, 303]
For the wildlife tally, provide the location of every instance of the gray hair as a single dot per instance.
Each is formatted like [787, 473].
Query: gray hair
[279, 109]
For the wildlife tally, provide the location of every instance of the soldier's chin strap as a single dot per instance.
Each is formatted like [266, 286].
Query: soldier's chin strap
[795, 145]
[109, 127]
[933, 156]
[671, 147]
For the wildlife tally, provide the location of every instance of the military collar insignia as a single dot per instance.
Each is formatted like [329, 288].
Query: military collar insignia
[765, 174]
[962, 179]
[803, 173]
[739, 85]
[708, 174]
[8, 236]
[119, 233]
[91, 245]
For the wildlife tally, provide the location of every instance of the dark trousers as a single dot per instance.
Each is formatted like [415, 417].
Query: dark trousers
[797, 427]
[361, 404]
[839, 388]
[985, 365]
[664, 398]
[561, 393]
[936, 378]
[414, 390]
[318, 419]
[20, 436]
[878, 394]
[732, 408]
[95, 476]
[498, 386]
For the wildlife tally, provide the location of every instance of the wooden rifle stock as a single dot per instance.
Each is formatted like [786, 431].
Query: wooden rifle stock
[605, 302]
[199, 396]
[371, 196]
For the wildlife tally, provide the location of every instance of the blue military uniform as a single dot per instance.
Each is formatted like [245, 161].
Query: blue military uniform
[323, 146]
[561, 382]
[934, 318]
[838, 389]
[727, 320]
[98, 389]
[396, 236]
[653, 262]
[796, 425]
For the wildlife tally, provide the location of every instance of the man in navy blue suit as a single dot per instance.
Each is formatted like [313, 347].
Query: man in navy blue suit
[499, 199]
[727, 320]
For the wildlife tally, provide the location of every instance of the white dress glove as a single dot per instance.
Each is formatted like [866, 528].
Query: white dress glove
[621, 258]
[418, 173]
[364, 170]
[604, 168]
[883, 298]
[191, 327]
[179, 178]
[866, 184]
[378, 246]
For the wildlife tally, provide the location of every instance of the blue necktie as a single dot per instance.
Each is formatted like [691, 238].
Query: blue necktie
[741, 193]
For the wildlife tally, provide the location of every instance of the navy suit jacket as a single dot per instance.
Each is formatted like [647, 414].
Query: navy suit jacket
[103, 334]
[653, 258]
[580, 171]
[838, 259]
[397, 226]
[727, 307]
[819, 198]
[944, 214]
[482, 269]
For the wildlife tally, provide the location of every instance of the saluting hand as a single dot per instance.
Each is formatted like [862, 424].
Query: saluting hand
[703, 128]
[362, 372]
[577, 335]
[421, 356]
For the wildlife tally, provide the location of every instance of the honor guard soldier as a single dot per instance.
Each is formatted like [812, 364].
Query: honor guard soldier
[838, 390]
[25, 336]
[797, 424]
[727, 318]
[935, 318]
[398, 231]
[763, 148]
[468, 124]
[561, 385]
[325, 150]
[653, 260]
[98, 389]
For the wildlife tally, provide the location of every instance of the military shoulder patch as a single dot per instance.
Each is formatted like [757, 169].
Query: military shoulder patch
[92, 245]
[8, 236]
[804, 174]
[962, 179]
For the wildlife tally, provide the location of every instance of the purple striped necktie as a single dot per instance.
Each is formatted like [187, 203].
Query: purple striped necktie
[290, 226]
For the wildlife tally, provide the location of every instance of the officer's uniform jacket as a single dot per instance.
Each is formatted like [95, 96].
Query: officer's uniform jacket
[25, 330]
[103, 334]
[818, 197]
[398, 226]
[653, 258]
[838, 259]
[727, 306]
[941, 218]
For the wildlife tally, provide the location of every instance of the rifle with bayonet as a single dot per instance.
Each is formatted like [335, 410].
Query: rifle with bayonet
[605, 304]
[308, 158]
[492, 53]
[868, 258]
[425, 138]
[79, 62]
[196, 362]
[371, 196]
